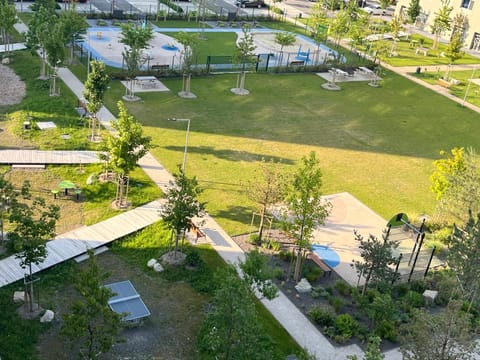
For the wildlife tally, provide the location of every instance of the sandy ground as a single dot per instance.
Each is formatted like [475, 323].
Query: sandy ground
[12, 89]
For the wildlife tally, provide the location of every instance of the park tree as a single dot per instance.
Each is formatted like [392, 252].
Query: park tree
[265, 189]
[182, 205]
[73, 26]
[55, 47]
[377, 259]
[8, 197]
[453, 52]
[456, 184]
[318, 21]
[32, 225]
[439, 336]
[413, 10]
[441, 22]
[91, 326]
[339, 26]
[8, 18]
[39, 30]
[231, 330]
[358, 30]
[396, 27]
[244, 55]
[95, 87]
[124, 148]
[464, 252]
[189, 58]
[258, 274]
[136, 39]
[283, 39]
[305, 208]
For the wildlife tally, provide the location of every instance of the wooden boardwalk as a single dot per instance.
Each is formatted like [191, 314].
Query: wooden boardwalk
[41, 157]
[76, 242]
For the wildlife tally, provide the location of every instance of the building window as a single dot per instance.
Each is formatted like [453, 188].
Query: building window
[466, 4]
[476, 42]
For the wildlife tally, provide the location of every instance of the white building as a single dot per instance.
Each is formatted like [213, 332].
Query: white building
[429, 8]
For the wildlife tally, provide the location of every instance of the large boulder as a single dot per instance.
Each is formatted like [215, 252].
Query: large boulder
[151, 263]
[158, 267]
[47, 317]
[303, 286]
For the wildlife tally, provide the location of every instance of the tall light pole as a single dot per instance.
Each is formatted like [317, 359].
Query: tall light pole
[186, 141]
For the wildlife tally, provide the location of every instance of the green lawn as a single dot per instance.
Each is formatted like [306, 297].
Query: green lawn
[376, 143]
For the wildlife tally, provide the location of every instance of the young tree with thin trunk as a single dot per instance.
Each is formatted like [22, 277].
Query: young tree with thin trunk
[244, 55]
[377, 260]
[8, 197]
[33, 224]
[440, 336]
[91, 326]
[189, 57]
[95, 87]
[413, 10]
[73, 25]
[454, 51]
[231, 330]
[464, 252]
[305, 207]
[441, 22]
[8, 18]
[124, 148]
[265, 189]
[43, 19]
[284, 39]
[182, 205]
[319, 23]
[136, 40]
[258, 274]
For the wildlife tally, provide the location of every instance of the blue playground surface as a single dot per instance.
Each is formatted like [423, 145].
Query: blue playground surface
[328, 255]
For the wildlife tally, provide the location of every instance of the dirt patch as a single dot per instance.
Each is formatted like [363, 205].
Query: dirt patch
[169, 333]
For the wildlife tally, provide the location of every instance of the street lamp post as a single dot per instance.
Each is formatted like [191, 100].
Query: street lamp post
[186, 141]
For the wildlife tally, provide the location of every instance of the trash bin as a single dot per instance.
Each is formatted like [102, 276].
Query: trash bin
[419, 70]
[299, 15]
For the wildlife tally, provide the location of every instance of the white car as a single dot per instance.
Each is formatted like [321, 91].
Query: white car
[374, 10]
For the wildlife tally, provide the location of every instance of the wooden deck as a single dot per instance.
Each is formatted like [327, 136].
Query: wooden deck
[76, 242]
[48, 157]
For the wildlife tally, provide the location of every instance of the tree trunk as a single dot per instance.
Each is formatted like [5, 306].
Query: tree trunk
[298, 266]
[30, 290]
[262, 222]
[367, 279]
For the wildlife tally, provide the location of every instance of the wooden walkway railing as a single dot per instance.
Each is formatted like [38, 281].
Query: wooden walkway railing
[76, 242]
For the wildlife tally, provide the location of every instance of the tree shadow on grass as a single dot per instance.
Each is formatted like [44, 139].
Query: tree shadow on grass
[230, 155]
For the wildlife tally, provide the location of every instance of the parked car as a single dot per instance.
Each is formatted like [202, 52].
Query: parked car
[250, 3]
[374, 10]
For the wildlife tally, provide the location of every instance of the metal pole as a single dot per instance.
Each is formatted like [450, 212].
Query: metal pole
[186, 146]
[468, 87]
[416, 257]
[396, 267]
[429, 262]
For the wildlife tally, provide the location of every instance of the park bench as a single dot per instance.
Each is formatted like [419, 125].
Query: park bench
[322, 265]
[297, 63]
[443, 83]
[160, 68]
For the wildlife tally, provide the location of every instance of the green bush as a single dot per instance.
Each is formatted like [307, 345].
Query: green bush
[322, 315]
[414, 299]
[336, 302]
[278, 273]
[343, 288]
[274, 245]
[285, 255]
[312, 272]
[318, 291]
[254, 239]
[418, 285]
[276, 10]
[346, 326]
[386, 330]
[193, 258]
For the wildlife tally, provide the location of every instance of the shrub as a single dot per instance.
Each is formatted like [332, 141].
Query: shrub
[285, 255]
[343, 288]
[322, 315]
[193, 258]
[346, 326]
[414, 299]
[318, 291]
[386, 330]
[418, 286]
[254, 239]
[274, 245]
[276, 10]
[311, 272]
[278, 273]
[336, 302]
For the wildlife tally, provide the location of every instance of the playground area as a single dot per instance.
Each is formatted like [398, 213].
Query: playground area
[335, 242]
[104, 44]
[165, 52]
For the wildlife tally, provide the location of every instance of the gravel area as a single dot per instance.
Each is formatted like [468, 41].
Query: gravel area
[12, 89]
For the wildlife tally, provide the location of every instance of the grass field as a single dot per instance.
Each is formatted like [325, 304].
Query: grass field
[376, 143]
